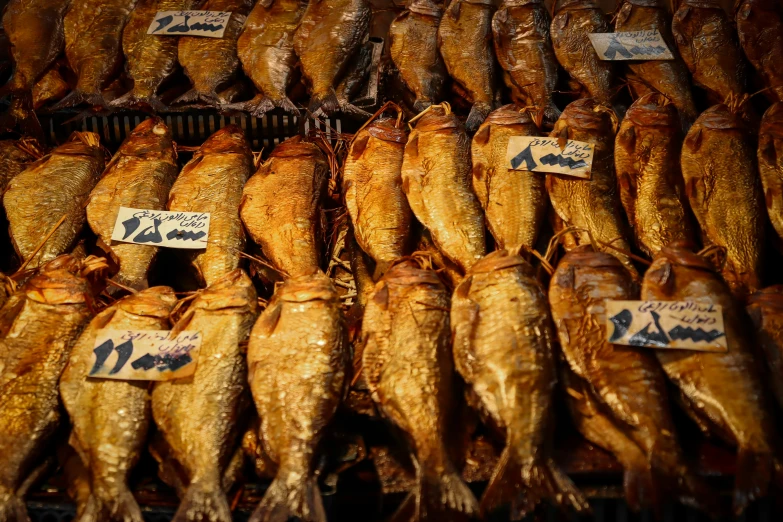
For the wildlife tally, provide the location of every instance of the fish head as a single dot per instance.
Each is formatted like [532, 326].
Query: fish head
[232, 291]
[592, 277]
[386, 129]
[502, 260]
[306, 288]
[654, 110]
[425, 8]
[59, 282]
[574, 5]
[675, 270]
[230, 139]
[156, 302]
[148, 138]
[438, 118]
[413, 270]
[297, 147]
[587, 120]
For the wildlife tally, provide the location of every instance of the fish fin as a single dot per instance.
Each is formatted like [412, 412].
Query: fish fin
[203, 501]
[478, 113]
[78, 97]
[325, 103]
[442, 495]
[752, 478]
[13, 508]
[194, 95]
[123, 508]
[286, 499]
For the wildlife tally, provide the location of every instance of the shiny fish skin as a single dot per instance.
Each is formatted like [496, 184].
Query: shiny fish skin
[300, 339]
[514, 201]
[465, 43]
[647, 162]
[573, 21]
[524, 51]
[765, 309]
[722, 183]
[199, 416]
[372, 186]
[139, 175]
[592, 204]
[58, 184]
[38, 326]
[212, 182]
[759, 25]
[437, 180]
[281, 206]
[110, 418]
[770, 157]
[504, 346]
[414, 48]
[408, 365]
[15, 156]
[722, 391]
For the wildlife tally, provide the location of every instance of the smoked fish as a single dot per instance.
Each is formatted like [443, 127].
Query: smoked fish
[574, 20]
[719, 166]
[436, 178]
[504, 347]
[110, 418]
[212, 182]
[514, 201]
[669, 77]
[465, 43]
[770, 157]
[626, 381]
[139, 175]
[50, 88]
[281, 206]
[199, 416]
[15, 157]
[590, 204]
[54, 187]
[758, 26]
[722, 391]
[266, 50]
[301, 340]
[525, 53]
[765, 308]
[38, 326]
[409, 368]
[647, 162]
[329, 34]
[372, 186]
[413, 45]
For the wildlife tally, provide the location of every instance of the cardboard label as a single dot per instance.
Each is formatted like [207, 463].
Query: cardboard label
[545, 155]
[161, 228]
[682, 325]
[144, 355]
[191, 23]
[632, 45]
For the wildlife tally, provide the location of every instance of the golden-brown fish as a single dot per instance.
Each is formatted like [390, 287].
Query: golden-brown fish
[199, 416]
[770, 157]
[328, 35]
[765, 308]
[758, 25]
[15, 156]
[590, 204]
[408, 365]
[524, 51]
[372, 186]
[38, 326]
[722, 391]
[50, 88]
[669, 77]
[722, 183]
[414, 48]
[574, 20]
[504, 347]
[465, 43]
[436, 178]
[514, 201]
[647, 162]
[7, 288]
[281, 206]
[139, 175]
[300, 340]
[212, 182]
[54, 187]
[626, 381]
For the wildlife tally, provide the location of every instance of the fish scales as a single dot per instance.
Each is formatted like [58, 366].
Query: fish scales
[15, 156]
[770, 158]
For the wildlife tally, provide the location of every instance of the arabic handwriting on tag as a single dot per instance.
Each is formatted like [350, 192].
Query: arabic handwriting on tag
[191, 23]
[632, 45]
[162, 228]
[545, 155]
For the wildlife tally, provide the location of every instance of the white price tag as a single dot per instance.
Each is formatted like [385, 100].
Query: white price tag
[632, 45]
[161, 228]
[545, 155]
[191, 23]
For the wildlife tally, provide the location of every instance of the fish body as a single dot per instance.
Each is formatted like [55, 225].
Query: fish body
[372, 185]
[212, 182]
[436, 178]
[524, 51]
[281, 206]
[110, 418]
[409, 368]
[722, 390]
[770, 158]
[719, 166]
[199, 416]
[574, 20]
[300, 340]
[140, 176]
[15, 156]
[504, 349]
[765, 309]
[514, 201]
[758, 26]
[57, 185]
[414, 49]
[669, 77]
[647, 163]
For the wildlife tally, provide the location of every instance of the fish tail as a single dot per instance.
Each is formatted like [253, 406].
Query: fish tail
[203, 501]
[287, 105]
[752, 478]
[420, 105]
[257, 107]
[120, 506]
[287, 498]
[639, 488]
[132, 100]
[12, 508]
[78, 97]
[195, 95]
[478, 113]
[326, 103]
[442, 495]
[21, 114]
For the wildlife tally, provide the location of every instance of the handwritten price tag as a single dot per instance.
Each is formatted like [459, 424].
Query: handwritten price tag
[144, 355]
[161, 228]
[191, 23]
[666, 324]
[545, 155]
[631, 45]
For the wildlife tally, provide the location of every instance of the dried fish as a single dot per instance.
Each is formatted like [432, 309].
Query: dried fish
[770, 157]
